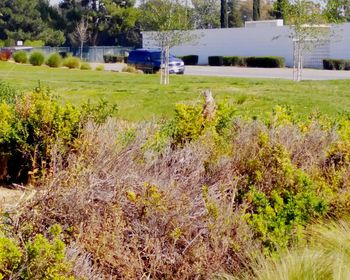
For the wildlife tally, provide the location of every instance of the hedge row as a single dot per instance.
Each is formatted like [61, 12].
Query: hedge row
[190, 59]
[250, 61]
[336, 64]
[110, 58]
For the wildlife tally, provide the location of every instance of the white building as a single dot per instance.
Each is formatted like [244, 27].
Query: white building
[263, 38]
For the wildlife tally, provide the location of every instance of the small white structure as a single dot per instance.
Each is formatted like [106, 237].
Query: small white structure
[262, 38]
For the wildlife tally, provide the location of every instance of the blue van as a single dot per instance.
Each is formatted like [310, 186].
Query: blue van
[149, 61]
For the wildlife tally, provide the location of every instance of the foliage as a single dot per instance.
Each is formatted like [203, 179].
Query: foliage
[190, 59]
[215, 60]
[39, 258]
[36, 58]
[265, 62]
[20, 57]
[54, 60]
[35, 43]
[205, 14]
[33, 125]
[256, 10]
[109, 58]
[308, 30]
[325, 257]
[71, 62]
[85, 66]
[22, 20]
[336, 64]
[129, 69]
[100, 67]
[107, 17]
[337, 11]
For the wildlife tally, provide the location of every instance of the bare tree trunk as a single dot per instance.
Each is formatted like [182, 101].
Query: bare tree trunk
[81, 50]
[164, 67]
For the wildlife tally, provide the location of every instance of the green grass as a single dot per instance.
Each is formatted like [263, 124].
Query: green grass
[141, 97]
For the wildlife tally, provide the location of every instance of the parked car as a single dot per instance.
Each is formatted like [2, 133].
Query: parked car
[149, 61]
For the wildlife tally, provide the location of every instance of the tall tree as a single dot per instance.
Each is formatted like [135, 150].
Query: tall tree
[23, 20]
[205, 14]
[103, 16]
[234, 16]
[256, 10]
[223, 14]
[278, 10]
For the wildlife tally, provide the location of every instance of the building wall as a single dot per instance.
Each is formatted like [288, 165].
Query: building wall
[261, 40]
[340, 44]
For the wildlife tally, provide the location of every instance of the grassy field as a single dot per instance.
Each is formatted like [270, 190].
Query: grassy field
[140, 97]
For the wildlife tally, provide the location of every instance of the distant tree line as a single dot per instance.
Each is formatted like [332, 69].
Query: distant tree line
[120, 22]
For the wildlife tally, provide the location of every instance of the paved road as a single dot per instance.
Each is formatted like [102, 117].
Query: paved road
[273, 73]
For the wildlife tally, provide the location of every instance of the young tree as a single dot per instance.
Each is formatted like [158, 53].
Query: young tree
[338, 11]
[81, 34]
[308, 31]
[170, 22]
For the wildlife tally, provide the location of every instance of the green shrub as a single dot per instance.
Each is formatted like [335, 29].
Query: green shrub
[85, 66]
[20, 57]
[265, 62]
[336, 64]
[238, 61]
[100, 67]
[129, 69]
[54, 60]
[71, 62]
[8, 94]
[39, 258]
[215, 60]
[110, 58]
[36, 58]
[190, 59]
[227, 60]
[34, 43]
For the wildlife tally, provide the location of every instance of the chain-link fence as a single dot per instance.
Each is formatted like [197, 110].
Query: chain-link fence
[91, 54]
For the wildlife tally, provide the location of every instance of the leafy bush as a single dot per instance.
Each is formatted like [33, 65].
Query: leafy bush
[129, 69]
[54, 60]
[190, 59]
[265, 62]
[5, 55]
[100, 67]
[71, 62]
[8, 94]
[239, 61]
[336, 64]
[85, 66]
[31, 125]
[215, 60]
[20, 57]
[40, 258]
[36, 58]
[34, 43]
[110, 58]
[227, 60]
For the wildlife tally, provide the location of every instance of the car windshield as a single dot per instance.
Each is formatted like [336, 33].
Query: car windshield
[157, 55]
